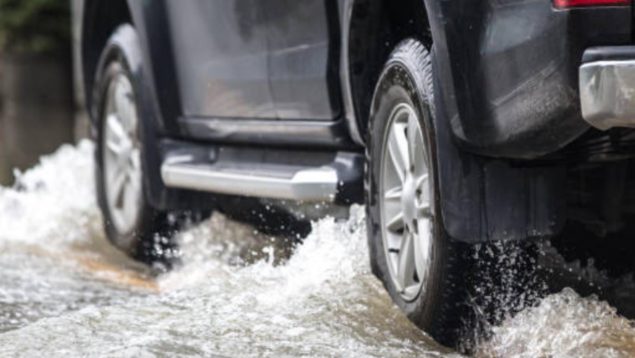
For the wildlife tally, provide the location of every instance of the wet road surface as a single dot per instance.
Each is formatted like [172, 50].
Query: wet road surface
[64, 291]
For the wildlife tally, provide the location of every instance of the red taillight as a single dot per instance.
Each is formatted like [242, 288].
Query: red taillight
[563, 4]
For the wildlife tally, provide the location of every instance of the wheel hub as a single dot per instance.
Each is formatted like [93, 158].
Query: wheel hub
[407, 202]
[405, 205]
[121, 155]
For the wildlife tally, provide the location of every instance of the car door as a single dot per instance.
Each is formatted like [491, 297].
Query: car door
[221, 58]
[303, 62]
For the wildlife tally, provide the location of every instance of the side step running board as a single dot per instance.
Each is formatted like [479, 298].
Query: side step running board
[327, 182]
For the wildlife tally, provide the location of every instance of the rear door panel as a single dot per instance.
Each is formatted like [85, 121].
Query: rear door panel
[221, 57]
[303, 62]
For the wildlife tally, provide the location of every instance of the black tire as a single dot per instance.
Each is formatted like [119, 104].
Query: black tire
[461, 296]
[150, 238]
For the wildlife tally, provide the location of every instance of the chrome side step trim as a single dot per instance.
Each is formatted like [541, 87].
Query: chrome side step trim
[265, 181]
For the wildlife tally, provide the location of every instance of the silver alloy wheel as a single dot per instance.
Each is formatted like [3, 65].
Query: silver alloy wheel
[121, 155]
[405, 201]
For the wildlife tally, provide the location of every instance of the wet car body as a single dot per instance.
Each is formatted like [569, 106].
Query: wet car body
[508, 71]
[273, 100]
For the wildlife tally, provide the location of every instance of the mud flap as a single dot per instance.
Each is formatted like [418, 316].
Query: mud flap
[486, 199]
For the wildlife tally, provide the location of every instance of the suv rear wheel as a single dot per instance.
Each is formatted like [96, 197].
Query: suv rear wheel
[420, 266]
[453, 290]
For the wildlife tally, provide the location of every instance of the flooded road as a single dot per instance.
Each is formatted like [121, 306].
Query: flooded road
[65, 292]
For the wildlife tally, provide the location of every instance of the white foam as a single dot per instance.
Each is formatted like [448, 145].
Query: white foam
[52, 202]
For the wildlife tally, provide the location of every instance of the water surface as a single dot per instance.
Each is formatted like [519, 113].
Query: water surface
[65, 292]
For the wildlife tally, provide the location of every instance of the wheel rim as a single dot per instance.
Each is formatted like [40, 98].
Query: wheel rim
[121, 155]
[405, 202]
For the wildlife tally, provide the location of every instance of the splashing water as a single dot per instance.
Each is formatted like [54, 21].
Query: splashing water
[65, 291]
[564, 325]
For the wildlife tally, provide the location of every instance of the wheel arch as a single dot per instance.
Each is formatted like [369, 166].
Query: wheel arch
[482, 199]
[126, 43]
[99, 20]
[375, 27]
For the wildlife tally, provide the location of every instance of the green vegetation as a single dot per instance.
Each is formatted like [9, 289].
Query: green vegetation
[34, 26]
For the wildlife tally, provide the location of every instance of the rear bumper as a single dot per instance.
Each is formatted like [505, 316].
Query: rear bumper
[607, 87]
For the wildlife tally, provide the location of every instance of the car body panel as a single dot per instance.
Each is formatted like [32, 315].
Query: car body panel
[222, 66]
[303, 41]
[279, 77]
[509, 70]
[223, 79]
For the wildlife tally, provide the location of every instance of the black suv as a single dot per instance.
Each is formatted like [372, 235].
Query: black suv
[456, 122]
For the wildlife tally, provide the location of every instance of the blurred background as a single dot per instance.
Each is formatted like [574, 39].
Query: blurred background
[38, 109]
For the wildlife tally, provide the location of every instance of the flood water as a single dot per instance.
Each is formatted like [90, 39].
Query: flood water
[65, 292]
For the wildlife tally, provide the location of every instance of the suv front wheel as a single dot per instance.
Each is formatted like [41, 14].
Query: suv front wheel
[131, 223]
